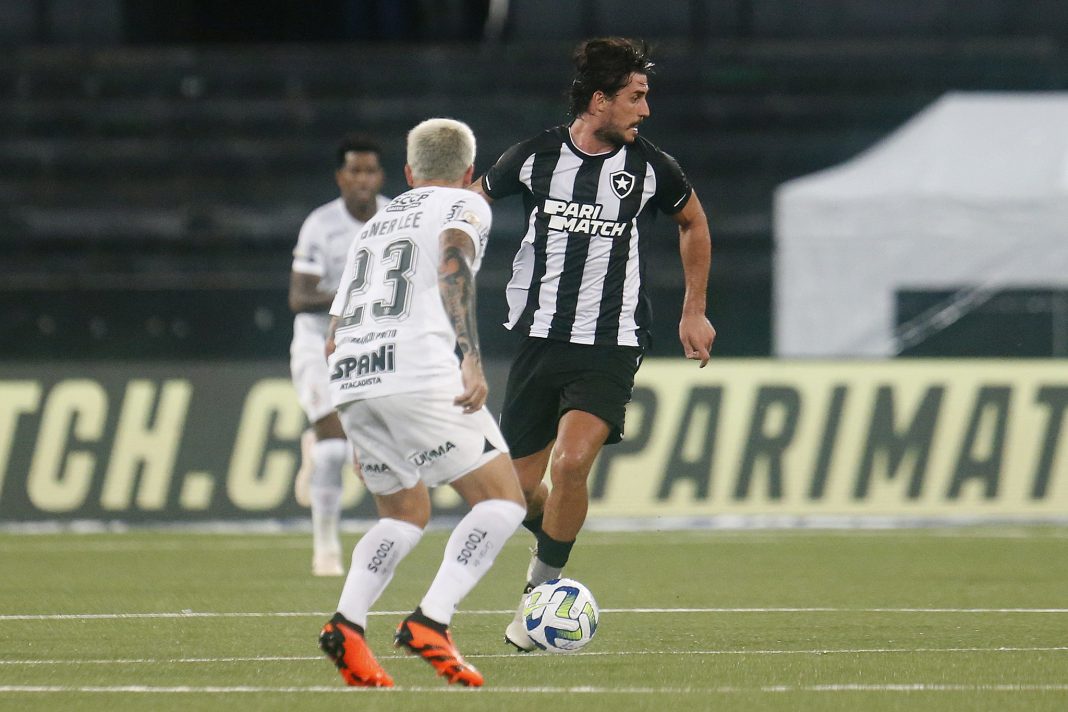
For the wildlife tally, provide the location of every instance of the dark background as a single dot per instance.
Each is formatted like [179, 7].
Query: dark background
[158, 158]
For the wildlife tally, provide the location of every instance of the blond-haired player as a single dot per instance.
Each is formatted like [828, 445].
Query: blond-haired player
[412, 409]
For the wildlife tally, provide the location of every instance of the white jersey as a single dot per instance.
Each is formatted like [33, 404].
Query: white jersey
[321, 249]
[393, 333]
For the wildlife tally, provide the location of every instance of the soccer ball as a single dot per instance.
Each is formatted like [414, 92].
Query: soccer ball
[561, 615]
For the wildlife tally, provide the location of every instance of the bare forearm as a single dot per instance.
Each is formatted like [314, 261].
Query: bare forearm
[457, 286]
[695, 248]
[304, 294]
[456, 283]
[331, 334]
[304, 303]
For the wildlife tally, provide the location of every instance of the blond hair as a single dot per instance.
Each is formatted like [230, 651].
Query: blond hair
[440, 149]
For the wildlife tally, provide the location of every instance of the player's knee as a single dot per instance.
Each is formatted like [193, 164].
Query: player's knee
[569, 470]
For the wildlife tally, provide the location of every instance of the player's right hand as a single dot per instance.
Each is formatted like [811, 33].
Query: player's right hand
[696, 334]
[475, 386]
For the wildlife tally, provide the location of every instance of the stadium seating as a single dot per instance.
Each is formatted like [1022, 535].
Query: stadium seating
[199, 164]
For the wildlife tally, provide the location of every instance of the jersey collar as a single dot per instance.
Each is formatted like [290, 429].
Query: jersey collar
[579, 152]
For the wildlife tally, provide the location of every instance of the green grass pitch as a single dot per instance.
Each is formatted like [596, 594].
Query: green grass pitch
[925, 619]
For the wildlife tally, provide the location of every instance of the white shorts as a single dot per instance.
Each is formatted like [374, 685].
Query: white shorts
[311, 380]
[406, 438]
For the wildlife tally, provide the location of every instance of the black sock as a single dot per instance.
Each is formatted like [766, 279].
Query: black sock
[534, 524]
[553, 552]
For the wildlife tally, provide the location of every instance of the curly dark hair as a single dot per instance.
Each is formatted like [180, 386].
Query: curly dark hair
[605, 64]
[357, 143]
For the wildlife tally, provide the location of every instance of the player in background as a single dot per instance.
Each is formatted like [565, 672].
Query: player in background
[412, 409]
[318, 260]
[591, 190]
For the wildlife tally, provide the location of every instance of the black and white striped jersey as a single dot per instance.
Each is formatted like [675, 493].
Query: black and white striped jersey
[579, 273]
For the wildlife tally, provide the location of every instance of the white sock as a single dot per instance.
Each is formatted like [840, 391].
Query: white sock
[374, 559]
[472, 548]
[325, 490]
[540, 572]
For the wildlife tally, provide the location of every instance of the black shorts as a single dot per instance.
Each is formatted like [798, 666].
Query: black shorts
[550, 377]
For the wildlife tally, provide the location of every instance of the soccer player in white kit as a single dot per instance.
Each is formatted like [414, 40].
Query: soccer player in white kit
[318, 260]
[407, 379]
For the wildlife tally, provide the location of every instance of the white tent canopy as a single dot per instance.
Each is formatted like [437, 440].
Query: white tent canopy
[969, 196]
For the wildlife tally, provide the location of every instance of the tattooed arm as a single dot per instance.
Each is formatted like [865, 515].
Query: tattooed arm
[456, 283]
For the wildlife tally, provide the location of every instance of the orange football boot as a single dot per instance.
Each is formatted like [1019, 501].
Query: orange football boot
[436, 647]
[344, 644]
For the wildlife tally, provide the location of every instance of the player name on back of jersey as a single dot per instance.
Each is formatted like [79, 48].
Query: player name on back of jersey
[581, 218]
[377, 228]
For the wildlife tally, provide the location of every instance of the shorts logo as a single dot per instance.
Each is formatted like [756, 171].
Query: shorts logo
[622, 183]
[427, 457]
[376, 467]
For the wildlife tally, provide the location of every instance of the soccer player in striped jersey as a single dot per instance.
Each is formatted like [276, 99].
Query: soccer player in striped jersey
[591, 190]
[318, 260]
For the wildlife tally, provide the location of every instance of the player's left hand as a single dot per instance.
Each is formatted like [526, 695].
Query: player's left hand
[696, 334]
[475, 387]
